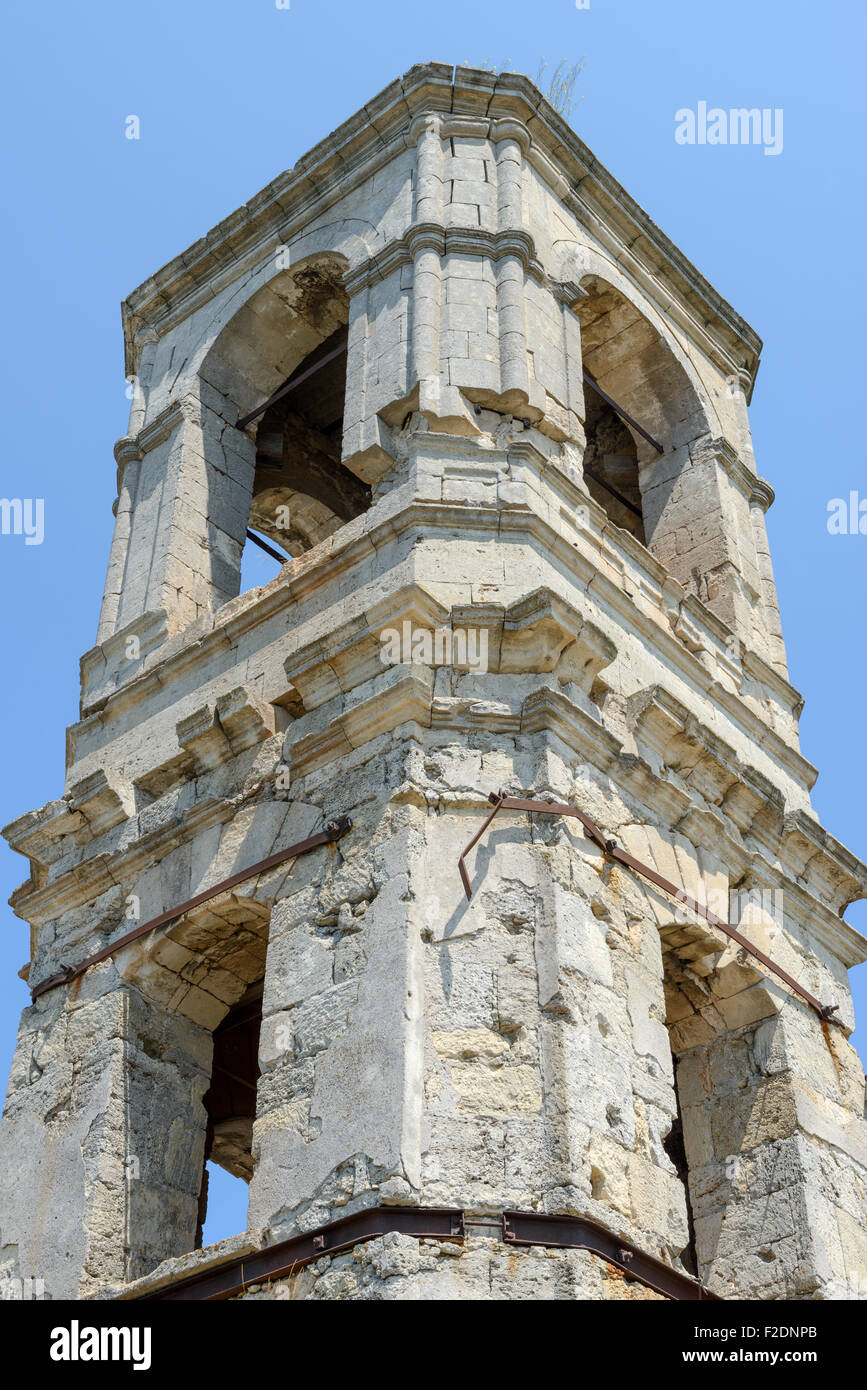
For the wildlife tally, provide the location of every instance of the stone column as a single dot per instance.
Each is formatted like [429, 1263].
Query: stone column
[102, 1139]
[187, 519]
[761, 498]
[128, 458]
[738, 384]
[568, 294]
[338, 1110]
[514, 376]
[427, 250]
[770, 1114]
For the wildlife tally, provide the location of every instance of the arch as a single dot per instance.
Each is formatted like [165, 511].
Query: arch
[191, 1066]
[635, 363]
[689, 519]
[282, 322]
[287, 341]
[611, 465]
[722, 1015]
[302, 492]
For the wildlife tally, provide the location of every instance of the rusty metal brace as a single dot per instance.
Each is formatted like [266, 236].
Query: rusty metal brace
[517, 1228]
[332, 832]
[295, 381]
[500, 801]
[268, 549]
[618, 410]
[614, 854]
[559, 1232]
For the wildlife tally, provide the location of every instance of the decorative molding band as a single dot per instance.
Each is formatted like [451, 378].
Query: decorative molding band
[379, 132]
[337, 555]
[332, 832]
[568, 292]
[446, 241]
[750, 826]
[762, 494]
[130, 448]
[511, 129]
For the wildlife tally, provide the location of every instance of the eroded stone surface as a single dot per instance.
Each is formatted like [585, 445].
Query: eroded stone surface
[572, 1040]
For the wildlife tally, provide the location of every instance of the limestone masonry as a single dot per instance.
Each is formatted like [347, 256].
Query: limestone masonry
[497, 581]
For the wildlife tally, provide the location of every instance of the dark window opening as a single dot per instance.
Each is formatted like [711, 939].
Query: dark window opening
[302, 491]
[675, 1148]
[230, 1101]
[611, 465]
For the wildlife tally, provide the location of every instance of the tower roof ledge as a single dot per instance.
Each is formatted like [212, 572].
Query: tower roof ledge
[465, 98]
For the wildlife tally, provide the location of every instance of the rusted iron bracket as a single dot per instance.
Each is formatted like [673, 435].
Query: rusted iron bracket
[612, 851]
[500, 802]
[579, 1233]
[332, 832]
[268, 549]
[289, 1256]
[428, 1223]
[296, 381]
[598, 478]
[618, 410]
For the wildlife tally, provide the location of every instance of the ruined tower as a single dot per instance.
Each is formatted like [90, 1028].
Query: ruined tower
[498, 424]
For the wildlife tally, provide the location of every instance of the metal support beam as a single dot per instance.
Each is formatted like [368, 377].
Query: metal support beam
[624, 501]
[618, 410]
[294, 382]
[578, 1233]
[429, 1223]
[332, 832]
[286, 1258]
[612, 851]
[268, 549]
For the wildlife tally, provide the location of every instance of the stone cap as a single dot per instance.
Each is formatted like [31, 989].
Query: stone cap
[464, 97]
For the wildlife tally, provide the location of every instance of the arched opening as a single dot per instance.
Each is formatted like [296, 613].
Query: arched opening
[230, 1100]
[633, 363]
[611, 465]
[301, 490]
[193, 1072]
[651, 402]
[735, 1113]
[277, 373]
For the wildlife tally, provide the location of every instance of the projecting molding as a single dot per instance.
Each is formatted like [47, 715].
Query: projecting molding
[504, 105]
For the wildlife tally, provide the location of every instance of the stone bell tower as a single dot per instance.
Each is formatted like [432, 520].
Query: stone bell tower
[496, 425]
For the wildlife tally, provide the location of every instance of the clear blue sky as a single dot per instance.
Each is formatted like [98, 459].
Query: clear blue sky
[228, 93]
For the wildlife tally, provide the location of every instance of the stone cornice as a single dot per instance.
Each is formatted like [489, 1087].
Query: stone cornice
[446, 241]
[689, 605]
[797, 843]
[131, 448]
[762, 493]
[687, 616]
[743, 814]
[155, 432]
[101, 872]
[378, 132]
[755, 489]
[568, 292]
